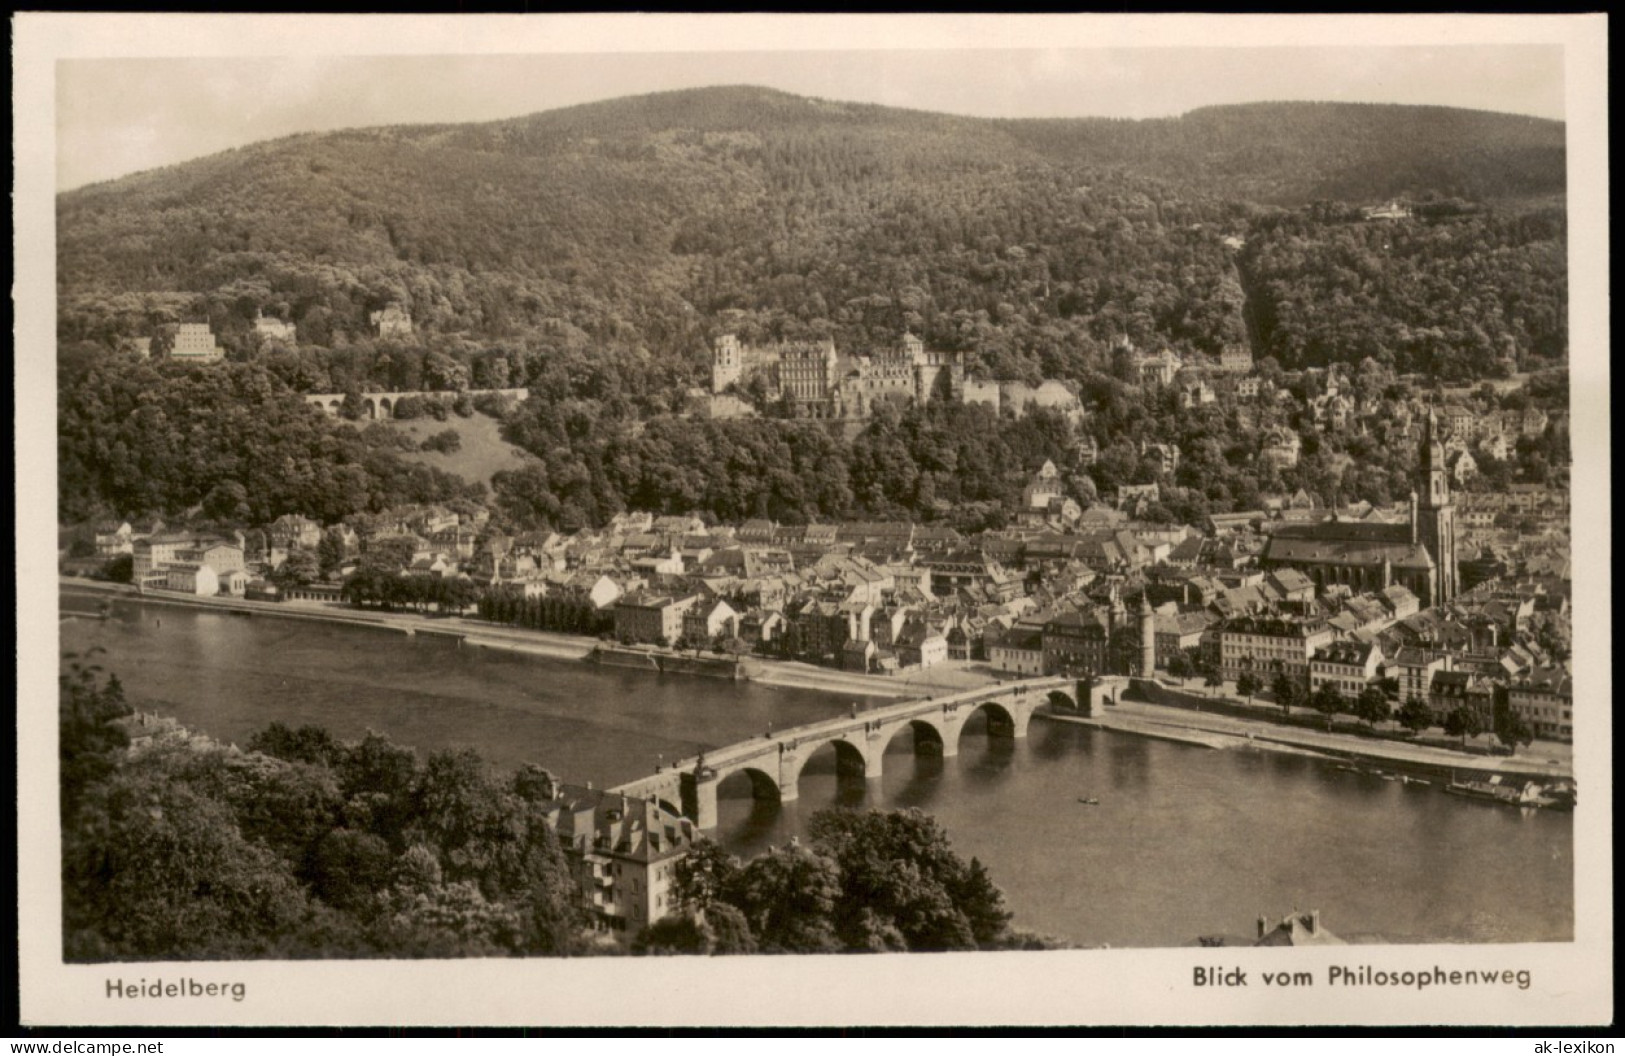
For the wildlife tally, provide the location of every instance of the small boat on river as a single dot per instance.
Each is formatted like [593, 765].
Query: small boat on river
[1530, 794]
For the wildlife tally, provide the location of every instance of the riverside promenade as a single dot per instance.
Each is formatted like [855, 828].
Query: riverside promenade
[1212, 729]
[1185, 724]
[789, 674]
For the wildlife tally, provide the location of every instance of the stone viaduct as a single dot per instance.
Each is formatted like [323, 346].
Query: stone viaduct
[774, 761]
[382, 404]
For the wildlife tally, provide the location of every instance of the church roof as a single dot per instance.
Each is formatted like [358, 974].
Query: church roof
[1346, 531]
[1323, 551]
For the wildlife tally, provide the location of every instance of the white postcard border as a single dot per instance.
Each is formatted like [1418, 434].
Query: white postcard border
[1572, 982]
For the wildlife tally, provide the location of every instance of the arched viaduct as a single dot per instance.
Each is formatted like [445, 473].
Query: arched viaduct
[774, 761]
[383, 404]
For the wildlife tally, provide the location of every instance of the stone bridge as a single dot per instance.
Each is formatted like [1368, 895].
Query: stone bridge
[382, 404]
[774, 761]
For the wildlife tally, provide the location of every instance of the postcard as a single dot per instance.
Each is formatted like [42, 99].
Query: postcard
[645, 520]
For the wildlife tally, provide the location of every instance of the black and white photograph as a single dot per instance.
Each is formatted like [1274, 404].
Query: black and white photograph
[658, 520]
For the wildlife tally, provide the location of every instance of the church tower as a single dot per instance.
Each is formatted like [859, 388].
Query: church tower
[1435, 513]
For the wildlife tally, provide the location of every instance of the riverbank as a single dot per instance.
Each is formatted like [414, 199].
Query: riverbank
[1364, 850]
[1226, 732]
[787, 674]
[1484, 748]
[1142, 718]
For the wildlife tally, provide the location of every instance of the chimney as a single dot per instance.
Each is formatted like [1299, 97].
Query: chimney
[1263, 926]
[1314, 922]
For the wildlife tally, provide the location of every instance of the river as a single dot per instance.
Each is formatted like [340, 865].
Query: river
[1185, 841]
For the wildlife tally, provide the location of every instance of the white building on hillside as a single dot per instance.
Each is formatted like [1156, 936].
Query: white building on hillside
[195, 342]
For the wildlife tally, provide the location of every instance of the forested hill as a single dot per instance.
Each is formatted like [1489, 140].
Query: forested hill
[591, 254]
[1290, 153]
[650, 223]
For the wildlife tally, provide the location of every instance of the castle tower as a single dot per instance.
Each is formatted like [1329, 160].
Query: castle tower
[1435, 514]
[1148, 638]
[727, 363]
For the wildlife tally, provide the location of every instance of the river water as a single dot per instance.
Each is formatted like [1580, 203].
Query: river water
[1185, 841]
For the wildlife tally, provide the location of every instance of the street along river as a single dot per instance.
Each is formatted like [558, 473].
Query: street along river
[1184, 841]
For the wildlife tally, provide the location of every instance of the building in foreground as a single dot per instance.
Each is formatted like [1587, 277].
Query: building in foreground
[1296, 929]
[1545, 700]
[1267, 646]
[623, 852]
[1350, 666]
[653, 619]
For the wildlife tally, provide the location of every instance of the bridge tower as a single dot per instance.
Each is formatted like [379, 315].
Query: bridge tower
[1148, 638]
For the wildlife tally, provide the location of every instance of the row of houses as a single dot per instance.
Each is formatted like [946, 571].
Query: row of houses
[189, 563]
[1037, 597]
[843, 609]
[196, 343]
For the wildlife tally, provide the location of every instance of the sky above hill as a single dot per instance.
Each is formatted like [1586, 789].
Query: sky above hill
[115, 116]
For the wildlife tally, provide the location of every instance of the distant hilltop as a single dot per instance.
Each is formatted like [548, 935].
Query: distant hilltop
[653, 220]
[1274, 152]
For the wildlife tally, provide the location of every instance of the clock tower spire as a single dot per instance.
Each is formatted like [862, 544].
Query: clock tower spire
[1434, 512]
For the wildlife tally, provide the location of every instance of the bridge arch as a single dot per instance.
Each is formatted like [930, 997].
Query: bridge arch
[369, 408]
[850, 759]
[763, 786]
[385, 409]
[927, 735]
[1002, 720]
[773, 766]
[334, 406]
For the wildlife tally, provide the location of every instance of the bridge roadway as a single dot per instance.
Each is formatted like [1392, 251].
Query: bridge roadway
[774, 761]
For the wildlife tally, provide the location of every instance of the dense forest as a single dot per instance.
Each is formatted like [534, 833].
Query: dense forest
[299, 847]
[591, 254]
[1477, 295]
[233, 445]
[868, 882]
[1294, 153]
[306, 847]
[965, 464]
[649, 224]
